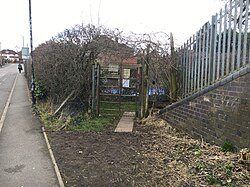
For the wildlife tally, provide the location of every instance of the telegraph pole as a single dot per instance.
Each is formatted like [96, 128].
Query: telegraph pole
[31, 57]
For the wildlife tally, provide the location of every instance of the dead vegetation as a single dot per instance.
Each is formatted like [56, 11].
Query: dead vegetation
[155, 154]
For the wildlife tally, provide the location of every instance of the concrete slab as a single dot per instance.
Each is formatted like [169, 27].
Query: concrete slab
[126, 122]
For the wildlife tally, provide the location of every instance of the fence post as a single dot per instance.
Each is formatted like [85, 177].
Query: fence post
[224, 45]
[195, 62]
[211, 52]
[199, 61]
[245, 33]
[203, 54]
[142, 90]
[234, 39]
[215, 18]
[229, 38]
[219, 63]
[239, 48]
[146, 112]
[173, 71]
[186, 69]
[137, 97]
[183, 65]
[120, 87]
[207, 55]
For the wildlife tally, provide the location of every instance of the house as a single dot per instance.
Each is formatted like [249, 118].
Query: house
[9, 55]
[113, 52]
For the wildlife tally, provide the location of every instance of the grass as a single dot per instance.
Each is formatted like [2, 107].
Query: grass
[93, 124]
[116, 108]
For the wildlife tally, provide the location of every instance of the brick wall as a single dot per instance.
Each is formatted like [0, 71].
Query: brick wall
[220, 115]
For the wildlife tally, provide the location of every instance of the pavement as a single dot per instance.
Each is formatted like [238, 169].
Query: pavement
[25, 160]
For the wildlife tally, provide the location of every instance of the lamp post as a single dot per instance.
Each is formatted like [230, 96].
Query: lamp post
[1, 62]
[31, 56]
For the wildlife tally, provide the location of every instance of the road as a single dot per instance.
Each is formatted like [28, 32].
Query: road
[7, 76]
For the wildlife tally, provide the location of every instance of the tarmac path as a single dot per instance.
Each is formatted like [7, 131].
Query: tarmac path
[24, 156]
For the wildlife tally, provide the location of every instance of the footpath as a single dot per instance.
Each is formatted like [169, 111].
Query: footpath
[24, 157]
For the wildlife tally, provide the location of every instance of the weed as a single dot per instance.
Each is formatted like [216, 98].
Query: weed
[211, 179]
[39, 90]
[197, 151]
[228, 168]
[227, 147]
[200, 167]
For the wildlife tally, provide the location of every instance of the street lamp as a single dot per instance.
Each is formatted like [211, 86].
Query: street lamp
[31, 56]
[1, 62]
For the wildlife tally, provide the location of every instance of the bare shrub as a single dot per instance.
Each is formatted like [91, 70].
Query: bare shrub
[63, 64]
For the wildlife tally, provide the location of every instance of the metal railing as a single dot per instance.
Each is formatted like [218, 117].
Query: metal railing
[217, 50]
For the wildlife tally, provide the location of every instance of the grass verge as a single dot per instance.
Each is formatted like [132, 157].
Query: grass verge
[80, 122]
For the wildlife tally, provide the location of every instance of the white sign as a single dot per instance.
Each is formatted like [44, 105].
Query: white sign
[25, 53]
[113, 68]
[125, 83]
[126, 73]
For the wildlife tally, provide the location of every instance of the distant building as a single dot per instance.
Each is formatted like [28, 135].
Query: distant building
[10, 55]
[114, 53]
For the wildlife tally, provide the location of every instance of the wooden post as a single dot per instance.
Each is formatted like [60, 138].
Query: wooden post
[141, 90]
[98, 90]
[146, 112]
[120, 86]
[93, 90]
[137, 99]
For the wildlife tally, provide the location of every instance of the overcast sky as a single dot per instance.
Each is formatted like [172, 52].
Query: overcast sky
[49, 17]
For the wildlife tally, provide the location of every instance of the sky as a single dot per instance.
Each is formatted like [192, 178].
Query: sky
[49, 17]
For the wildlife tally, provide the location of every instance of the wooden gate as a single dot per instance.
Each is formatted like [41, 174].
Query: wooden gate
[115, 89]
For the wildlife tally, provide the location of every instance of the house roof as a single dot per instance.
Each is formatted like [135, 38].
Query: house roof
[113, 52]
[8, 51]
[131, 60]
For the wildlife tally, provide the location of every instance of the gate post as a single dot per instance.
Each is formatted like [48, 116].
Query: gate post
[93, 91]
[98, 89]
[141, 95]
